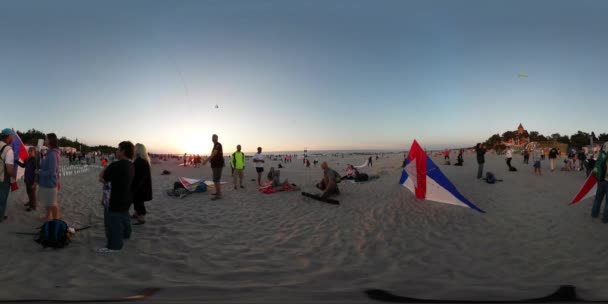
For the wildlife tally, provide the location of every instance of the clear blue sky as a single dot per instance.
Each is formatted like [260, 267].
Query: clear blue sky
[293, 74]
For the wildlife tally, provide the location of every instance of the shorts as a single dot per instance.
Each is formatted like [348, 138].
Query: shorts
[537, 164]
[259, 169]
[217, 174]
[47, 196]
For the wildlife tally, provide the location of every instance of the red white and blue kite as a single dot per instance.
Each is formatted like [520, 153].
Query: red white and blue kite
[20, 153]
[587, 190]
[422, 177]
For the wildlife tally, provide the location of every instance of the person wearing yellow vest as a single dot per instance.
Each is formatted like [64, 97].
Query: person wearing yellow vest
[237, 162]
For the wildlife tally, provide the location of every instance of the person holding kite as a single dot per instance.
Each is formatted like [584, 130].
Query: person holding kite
[602, 184]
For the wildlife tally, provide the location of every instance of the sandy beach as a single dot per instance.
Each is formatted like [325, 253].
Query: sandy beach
[251, 247]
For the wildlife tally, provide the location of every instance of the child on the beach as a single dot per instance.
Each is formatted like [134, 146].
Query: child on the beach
[536, 158]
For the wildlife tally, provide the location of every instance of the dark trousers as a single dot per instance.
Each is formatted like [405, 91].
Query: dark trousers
[140, 207]
[118, 228]
[30, 188]
[602, 188]
[509, 162]
[479, 170]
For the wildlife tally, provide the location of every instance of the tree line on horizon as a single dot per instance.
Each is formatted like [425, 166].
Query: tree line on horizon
[31, 137]
[578, 140]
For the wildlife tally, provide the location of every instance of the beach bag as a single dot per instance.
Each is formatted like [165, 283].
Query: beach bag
[54, 234]
[202, 187]
[490, 178]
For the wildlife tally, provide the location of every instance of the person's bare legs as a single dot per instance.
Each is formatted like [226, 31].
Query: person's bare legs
[49, 214]
[55, 210]
[259, 178]
[218, 190]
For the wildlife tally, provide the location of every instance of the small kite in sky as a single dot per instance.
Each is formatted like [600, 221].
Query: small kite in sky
[523, 75]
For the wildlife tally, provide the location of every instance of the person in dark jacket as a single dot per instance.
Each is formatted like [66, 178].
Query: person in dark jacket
[117, 179]
[142, 183]
[30, 179]
[460, 160]
[481, 151]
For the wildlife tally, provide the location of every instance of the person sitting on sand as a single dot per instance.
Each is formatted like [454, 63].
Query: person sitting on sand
[459, 159]
[329, 183]
[274, 180]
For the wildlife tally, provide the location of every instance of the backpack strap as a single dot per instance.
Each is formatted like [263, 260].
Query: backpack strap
[2, 151]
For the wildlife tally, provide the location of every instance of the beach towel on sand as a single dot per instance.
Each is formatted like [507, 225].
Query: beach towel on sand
[270, 190]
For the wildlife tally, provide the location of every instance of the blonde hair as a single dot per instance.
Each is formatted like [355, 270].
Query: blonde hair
[141, 152]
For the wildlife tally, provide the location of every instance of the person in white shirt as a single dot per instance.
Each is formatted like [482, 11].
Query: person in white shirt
[509, 157]
[7, 169]
[258, 159]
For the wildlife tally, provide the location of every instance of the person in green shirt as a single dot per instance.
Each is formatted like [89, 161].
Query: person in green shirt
[601, 166]
[237, 162]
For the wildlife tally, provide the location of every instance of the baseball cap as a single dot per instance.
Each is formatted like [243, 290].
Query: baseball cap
[7, 131]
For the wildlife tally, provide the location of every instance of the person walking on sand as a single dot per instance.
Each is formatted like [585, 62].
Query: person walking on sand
[552, 157]
[237, 162]
[536, 158]
[258, 159]
[602, 184]
[369, 164]
[7, 169]
[118, 181]
[217, 165]
[48, 183]
[30, 179]
[446, 155]
[142, 183]
[509, 157]
[582, 157]
[481, 151]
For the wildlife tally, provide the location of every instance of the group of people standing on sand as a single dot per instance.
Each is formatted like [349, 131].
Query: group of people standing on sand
[192, 160]
[328, 183]
[126, 181]
[41, 177]
[598, 167]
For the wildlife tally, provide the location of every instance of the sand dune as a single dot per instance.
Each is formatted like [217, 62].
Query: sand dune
[256, 247]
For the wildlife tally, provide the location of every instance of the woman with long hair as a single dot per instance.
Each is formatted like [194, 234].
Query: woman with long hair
[142, 183]
[48, 181]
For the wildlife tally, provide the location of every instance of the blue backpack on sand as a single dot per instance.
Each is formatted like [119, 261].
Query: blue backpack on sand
[54, 234]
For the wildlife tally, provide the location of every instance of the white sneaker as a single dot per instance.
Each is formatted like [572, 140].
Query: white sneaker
[106, 250]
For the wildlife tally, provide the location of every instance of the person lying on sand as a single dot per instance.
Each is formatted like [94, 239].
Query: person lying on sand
[329, 183]
[351, 172]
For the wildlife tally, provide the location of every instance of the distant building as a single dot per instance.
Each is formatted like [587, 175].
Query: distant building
[520, 139]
